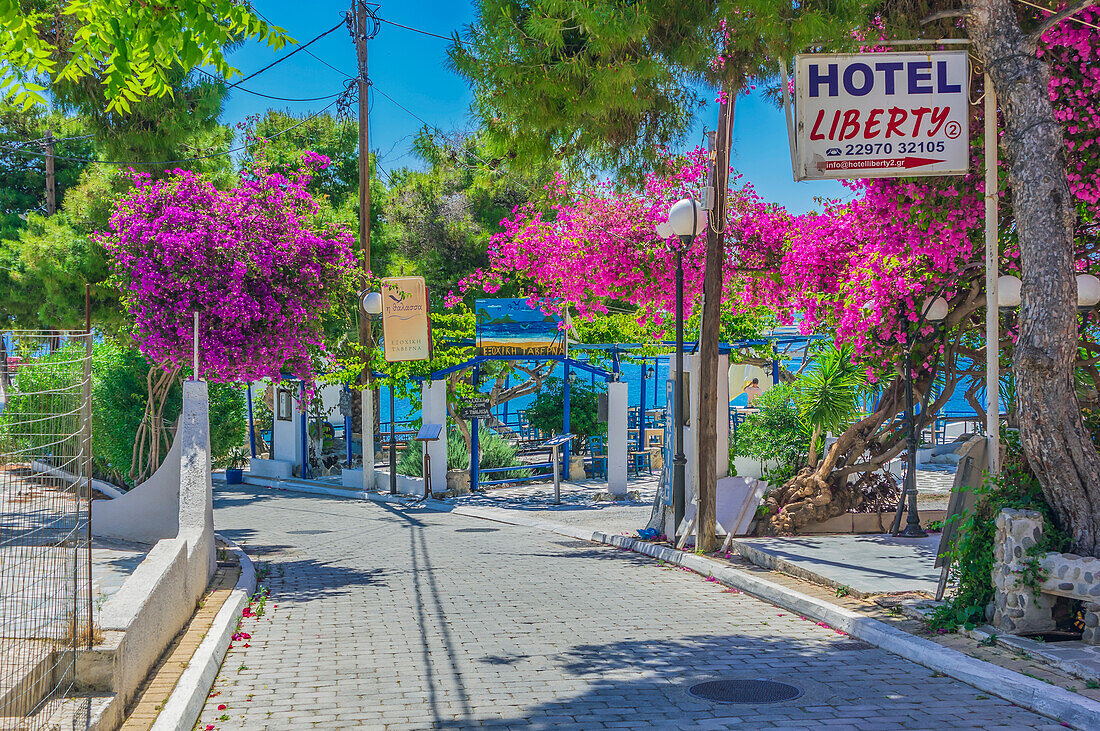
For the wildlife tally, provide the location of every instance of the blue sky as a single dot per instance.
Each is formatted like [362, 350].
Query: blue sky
[412, 68]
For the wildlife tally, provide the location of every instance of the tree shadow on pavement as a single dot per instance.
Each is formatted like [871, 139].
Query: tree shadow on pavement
[645, 683]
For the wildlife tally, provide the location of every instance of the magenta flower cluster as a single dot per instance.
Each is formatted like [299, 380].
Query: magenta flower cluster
[861, 268]
[1073, 51]
[250, 260]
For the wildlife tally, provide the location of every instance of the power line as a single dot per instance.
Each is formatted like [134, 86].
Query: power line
[403, 107]
[173, 162]
[309, 53]
[299, 48]
[55, 139]
[423, 32]
[212, 77]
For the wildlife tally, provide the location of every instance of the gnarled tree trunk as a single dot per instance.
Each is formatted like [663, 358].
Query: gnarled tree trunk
[1052, 433]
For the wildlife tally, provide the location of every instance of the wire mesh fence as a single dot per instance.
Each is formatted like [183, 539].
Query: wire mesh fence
[45, 547]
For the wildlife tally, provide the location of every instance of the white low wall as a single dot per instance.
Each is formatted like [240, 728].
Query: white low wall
[148, 512]
[406, 485]
[159, 598]
[278, 468]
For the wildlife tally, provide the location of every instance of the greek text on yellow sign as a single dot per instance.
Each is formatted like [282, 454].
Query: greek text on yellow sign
[405, 318]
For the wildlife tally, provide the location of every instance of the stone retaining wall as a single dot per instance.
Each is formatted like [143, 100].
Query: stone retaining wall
[1017, 607]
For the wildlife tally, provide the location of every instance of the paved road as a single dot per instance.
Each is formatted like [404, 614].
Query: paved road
[382, 617]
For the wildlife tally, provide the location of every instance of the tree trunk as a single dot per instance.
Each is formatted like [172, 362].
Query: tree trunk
[1052, 433]
[710, 333]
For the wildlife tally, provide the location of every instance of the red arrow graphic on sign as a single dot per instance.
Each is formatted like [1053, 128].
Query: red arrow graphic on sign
[916, 162]
[888, 162]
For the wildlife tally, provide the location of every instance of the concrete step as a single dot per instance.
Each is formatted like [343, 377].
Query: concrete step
[67, 712]
[27, 670]
[313, 487]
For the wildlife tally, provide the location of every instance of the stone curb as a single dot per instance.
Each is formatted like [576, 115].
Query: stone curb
[1035, 695]
[183, 707]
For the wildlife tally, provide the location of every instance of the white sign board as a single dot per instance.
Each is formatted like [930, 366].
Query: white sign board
[881, 115]
[405, 325]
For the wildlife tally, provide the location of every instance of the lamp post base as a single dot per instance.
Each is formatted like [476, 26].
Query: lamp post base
[912, 531]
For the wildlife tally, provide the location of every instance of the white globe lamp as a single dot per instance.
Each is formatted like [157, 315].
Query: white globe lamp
[372, 303]
[1008, 291]
[935, 310]
[687, 218]
[664, 230]
[1088, 290]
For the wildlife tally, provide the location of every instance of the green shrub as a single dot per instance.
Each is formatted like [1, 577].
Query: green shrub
[411, 461]
[119, 392]
[228, 421]
[971, 550]
[41, 419]
[118, 404]
[775, 433]
[546, 411]
[496, 451]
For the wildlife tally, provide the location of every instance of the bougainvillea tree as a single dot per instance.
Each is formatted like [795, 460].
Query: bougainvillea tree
[861, 270]
[248, 260]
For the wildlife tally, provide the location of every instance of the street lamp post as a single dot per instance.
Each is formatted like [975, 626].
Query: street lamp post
[686, 220]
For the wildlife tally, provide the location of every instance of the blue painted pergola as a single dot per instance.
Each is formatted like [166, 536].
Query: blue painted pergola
[568, 363]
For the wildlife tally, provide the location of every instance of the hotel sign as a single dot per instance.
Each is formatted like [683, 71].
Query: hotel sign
[881, 115]
[405, 326]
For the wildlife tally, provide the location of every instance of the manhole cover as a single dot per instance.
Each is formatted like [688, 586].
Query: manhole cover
[745, 691]
[476, 530]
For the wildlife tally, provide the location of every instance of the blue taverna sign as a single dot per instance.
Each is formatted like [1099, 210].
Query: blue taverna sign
[512, 327]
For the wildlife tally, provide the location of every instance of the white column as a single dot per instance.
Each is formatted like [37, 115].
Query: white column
[287, 433]
[434, 411]
[722, 454]
[196, 509]
[992, 336]
[691, 445]
[367, 431]
[616, 438]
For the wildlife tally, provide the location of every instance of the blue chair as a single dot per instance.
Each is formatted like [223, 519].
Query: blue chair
[598, 455]
[637, 459]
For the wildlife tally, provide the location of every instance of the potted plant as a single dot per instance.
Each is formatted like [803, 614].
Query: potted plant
[235, 463]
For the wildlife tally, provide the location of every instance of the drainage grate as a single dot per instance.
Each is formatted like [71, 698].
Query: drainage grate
[476, 530]
[850, 646]
[745, 691]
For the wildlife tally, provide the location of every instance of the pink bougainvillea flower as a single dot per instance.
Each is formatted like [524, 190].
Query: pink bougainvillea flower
[249, 260]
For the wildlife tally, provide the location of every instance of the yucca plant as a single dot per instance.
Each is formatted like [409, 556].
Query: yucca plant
[828, 396]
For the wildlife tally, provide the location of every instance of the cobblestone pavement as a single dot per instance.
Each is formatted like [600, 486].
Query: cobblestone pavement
[578, 506]
[388, 617]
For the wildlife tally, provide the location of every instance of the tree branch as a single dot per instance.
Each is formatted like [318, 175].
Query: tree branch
[941, 14]
[1056, 18]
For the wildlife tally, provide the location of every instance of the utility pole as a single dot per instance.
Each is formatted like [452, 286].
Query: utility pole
[364, 27]
[51, 181]
[710, 332]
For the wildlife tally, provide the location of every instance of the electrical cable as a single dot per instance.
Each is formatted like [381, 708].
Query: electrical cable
[173, 162]
[424, 32]
[212, 77]
[284, 58]
[310, 53]
[55, 139]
